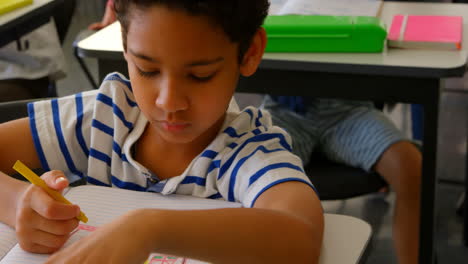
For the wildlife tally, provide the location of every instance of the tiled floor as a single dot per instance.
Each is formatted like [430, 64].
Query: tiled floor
[372, 208]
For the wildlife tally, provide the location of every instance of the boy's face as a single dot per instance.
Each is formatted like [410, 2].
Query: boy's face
[183, 71]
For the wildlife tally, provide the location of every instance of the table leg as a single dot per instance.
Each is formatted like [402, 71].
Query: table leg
[465, 203]
[428, 181]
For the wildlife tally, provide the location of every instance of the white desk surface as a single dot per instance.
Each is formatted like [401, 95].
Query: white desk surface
[10, 16]
[108, 39]
[344, 241]
[107, 42]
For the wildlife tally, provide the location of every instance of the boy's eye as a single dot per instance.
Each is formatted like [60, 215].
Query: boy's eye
[147, 74]
[204, 78]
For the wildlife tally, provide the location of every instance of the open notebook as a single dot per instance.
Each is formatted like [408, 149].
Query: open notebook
[101, 205]
[345, 237]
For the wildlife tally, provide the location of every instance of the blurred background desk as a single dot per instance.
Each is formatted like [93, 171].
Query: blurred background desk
[395, 75]
[23, 20]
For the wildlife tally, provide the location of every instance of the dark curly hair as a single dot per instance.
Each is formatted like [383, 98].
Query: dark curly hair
[239, 19]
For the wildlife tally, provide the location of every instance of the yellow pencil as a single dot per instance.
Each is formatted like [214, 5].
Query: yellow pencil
[36, 180]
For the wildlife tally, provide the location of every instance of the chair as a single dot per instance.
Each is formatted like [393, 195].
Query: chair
[14, 110]
[336, 181]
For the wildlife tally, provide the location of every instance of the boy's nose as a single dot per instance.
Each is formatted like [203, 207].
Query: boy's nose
[171, 97]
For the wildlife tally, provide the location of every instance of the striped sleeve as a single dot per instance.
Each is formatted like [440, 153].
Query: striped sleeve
[260, 162]
[60, 129]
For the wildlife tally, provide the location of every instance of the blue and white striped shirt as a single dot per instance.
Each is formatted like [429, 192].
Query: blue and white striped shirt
[90, 135]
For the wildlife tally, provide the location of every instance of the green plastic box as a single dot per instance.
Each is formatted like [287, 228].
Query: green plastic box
[313, 33]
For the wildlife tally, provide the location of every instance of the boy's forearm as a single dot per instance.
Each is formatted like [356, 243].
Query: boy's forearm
[238, 235]
[11, 190]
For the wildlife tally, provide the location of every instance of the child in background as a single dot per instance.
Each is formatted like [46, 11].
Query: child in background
[173, 127]
[107, 19]
[356, 134]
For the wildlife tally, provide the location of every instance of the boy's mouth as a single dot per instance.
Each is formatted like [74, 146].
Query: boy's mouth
[174, 126]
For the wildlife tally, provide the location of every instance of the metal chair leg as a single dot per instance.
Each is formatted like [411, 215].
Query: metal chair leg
[85, 69]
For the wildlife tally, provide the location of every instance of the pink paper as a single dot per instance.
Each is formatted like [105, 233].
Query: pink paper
[434, 29]
[395, 28]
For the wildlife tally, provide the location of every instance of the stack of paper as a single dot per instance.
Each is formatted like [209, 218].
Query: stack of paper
[426, 32]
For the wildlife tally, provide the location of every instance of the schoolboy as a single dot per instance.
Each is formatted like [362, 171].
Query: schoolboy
[173, 129]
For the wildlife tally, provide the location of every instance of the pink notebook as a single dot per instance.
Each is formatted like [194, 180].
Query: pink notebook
[426, 32]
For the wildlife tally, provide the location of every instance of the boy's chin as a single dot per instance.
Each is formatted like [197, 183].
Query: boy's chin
[178, 138]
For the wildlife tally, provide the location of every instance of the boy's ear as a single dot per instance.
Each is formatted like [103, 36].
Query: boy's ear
[125, 54]
[253, 55]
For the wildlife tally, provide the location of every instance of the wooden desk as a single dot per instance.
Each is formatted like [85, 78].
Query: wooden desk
[23, 20]
[395, 75]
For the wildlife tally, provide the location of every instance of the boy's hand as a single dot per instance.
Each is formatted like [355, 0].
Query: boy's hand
[119, 242]
[42, 224]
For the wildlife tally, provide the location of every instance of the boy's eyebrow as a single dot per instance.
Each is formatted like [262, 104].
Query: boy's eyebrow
[205, 62]
[142, 56]
[191, 64]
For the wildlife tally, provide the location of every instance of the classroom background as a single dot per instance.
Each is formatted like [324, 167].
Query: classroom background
[374, 208]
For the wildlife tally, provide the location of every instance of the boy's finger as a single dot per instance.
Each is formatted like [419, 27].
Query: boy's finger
[48, 208]
[55, 180]
[49, 240]
[38, 249]
[95, 26]
[58, 227]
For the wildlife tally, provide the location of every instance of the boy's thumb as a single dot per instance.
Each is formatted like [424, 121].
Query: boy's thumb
[55, 180]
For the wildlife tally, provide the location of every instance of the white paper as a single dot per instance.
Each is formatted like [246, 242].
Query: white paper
[102, 204]
[326, 7]
[7, 239]
[19, 256]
